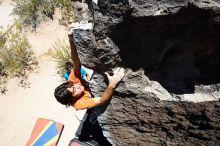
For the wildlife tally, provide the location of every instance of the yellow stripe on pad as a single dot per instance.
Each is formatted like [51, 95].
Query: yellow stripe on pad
[41, 133]
[54, 139]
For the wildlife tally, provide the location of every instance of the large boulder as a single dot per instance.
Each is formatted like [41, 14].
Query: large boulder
[171, 53]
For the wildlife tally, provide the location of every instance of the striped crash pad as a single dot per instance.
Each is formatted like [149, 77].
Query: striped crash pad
[45, 133]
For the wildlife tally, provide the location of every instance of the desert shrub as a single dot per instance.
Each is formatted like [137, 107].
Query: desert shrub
[61, 53]
[16, 56]
[2, 42]
[32, 12]
[66, 11]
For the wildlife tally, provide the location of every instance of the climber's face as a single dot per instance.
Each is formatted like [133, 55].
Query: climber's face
[77, 90]
[71, 68]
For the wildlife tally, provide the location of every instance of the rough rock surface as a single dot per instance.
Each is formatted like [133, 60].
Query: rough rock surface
[171, 52]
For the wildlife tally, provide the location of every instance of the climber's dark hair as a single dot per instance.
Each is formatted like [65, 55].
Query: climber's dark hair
[63, 95]
[68, 65]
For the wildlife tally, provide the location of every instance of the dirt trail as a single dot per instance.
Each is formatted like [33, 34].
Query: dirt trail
[21, 107]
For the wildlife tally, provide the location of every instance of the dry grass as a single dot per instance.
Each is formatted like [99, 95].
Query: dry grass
[60, 53]
[16, 56]
[33, 12]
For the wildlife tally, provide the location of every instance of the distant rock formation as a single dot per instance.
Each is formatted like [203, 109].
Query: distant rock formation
[171, 52]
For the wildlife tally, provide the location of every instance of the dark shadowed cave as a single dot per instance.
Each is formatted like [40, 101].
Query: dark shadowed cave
[179, 50]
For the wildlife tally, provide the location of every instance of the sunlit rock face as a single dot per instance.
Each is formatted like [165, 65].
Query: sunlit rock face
[171, 52]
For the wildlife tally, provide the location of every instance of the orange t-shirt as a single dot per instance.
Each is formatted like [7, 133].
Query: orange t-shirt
[84, 102]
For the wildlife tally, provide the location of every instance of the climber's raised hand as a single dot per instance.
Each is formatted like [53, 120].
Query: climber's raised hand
[70, 32]
[118, 74]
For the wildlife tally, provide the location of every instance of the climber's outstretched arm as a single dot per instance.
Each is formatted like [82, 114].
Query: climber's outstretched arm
[113, 81]
[74, 54]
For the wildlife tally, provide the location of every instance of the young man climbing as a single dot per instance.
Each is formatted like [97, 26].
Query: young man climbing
[76, 93]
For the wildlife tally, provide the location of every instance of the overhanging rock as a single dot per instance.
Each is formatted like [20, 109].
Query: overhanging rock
[171, 52]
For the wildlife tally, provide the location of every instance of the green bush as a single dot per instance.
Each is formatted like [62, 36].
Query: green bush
[60, 53]
[16, 57]
[67, 11]
[2, 42]
[32, 12]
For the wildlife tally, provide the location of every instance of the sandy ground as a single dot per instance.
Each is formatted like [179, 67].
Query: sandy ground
[5, 11]
[21, 107]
